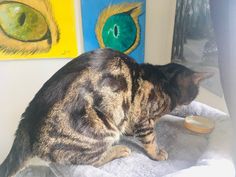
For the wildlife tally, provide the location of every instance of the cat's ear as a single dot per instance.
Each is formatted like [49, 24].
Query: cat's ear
[200, 76]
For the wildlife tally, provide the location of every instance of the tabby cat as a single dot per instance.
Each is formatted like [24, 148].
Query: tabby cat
[84, 108]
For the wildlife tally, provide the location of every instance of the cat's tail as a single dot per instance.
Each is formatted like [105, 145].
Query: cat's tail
[19, 153]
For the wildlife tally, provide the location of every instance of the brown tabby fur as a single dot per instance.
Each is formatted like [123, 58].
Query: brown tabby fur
[78, 115]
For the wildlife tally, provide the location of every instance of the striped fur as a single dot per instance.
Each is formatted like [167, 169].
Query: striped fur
[84, 108]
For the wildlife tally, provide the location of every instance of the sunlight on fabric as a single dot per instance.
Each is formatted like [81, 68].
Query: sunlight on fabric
[216, 168]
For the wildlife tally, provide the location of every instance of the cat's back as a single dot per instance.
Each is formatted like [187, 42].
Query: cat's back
[96, 70]
[90, 65]
[100, 60]
[98, 77]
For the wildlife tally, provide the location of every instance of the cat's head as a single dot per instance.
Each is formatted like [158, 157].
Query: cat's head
[188, 85]
[185, 81]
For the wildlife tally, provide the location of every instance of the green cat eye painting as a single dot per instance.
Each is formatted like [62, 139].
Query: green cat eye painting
[31, 29]
[16, 25]
[116, 24]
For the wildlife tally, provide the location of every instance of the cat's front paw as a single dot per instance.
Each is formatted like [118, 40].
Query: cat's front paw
[162, 155]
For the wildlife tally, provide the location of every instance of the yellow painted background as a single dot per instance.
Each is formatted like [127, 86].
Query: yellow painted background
[64, 15]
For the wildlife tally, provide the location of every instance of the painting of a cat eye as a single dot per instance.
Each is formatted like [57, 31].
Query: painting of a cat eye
[115, 24]
[37, 29]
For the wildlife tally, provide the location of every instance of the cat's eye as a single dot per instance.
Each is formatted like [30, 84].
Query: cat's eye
[27, 26]
[119, 32]
[22, 22]
[118, 27]
[192, 91]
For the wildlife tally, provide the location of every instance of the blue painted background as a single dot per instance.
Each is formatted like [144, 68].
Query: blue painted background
[90, 13]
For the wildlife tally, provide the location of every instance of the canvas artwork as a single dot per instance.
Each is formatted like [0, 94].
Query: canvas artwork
[117, 24]
[37, 29]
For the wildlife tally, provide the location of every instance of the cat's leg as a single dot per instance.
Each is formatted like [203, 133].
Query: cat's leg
[74, 154]
[147, 136]
[115, 152]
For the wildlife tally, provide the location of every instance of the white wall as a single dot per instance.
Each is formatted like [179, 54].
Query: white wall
[159, 30]
[20, 80]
